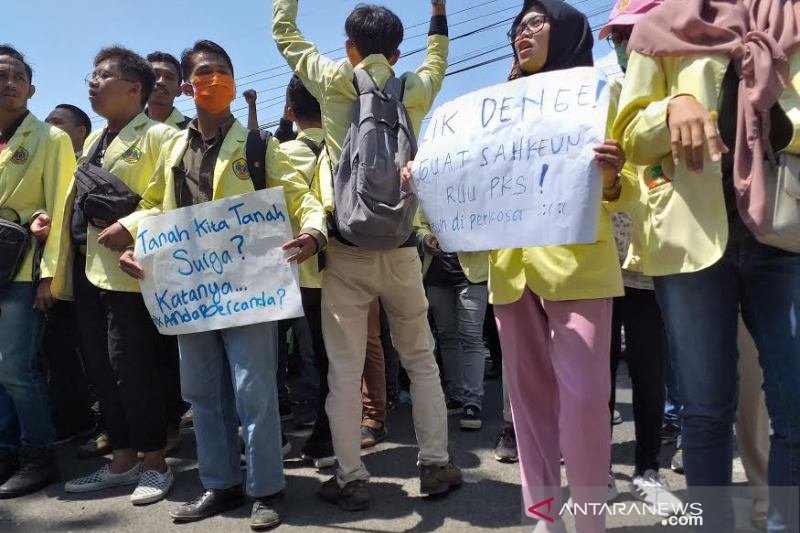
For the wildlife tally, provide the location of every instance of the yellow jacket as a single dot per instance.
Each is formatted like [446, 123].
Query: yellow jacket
[686, 229]
[35, 169]
[574, 272]
[303, 160]
[133, 157]
[331, 82]
[176, 119]
[231, 177]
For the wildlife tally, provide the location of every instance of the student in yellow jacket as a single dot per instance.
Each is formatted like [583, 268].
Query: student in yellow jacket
[120, 343]
[229, 375]
[307, 155]
[691, 62]
[161, 106]
[355, 276]
[36, 162]
[553, 308]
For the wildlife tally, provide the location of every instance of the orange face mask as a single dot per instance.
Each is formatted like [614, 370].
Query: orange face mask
[213, 92]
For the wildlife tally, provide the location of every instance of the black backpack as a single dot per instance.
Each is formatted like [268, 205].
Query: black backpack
[256, 153]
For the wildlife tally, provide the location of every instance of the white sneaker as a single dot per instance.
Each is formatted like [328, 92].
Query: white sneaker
[152, 487]
[104, 479]
[613, 491]
[652, 489]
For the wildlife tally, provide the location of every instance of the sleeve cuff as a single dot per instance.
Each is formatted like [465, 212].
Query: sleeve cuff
[322, 242]
[438, 25]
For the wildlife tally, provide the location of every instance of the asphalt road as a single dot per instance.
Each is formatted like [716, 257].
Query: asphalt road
[488, 501]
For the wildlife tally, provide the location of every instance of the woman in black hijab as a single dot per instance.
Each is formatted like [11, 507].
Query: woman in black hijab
[553, 308]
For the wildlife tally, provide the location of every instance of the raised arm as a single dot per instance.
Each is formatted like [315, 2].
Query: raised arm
[315, 70]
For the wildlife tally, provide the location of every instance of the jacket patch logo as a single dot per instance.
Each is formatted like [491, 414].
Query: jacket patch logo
[132, 155]
[240, 169]
[20, 156]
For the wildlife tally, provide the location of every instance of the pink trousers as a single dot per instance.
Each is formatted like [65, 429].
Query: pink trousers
[556, 356]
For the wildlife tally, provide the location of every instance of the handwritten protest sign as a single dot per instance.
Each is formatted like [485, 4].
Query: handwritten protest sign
[512, 165]
[219, 264]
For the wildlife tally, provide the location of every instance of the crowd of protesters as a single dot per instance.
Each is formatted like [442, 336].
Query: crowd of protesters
[683, 282]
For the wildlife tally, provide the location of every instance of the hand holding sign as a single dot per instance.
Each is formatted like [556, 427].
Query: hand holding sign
[217, 265]
[515, 164]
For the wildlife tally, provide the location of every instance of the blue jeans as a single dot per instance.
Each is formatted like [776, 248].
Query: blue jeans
[229, 376]
[24, 403]
[458, 312]
[701, 316]
[673, 405]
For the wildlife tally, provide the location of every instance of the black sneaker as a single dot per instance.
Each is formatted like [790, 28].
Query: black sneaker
[267, 512]
[37, 469]
[505, 450]
[471, 419]
[670, 432]
[321, 455]
[9, 463]
[454, 407]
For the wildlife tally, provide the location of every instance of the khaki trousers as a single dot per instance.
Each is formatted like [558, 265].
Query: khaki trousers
[353, 279]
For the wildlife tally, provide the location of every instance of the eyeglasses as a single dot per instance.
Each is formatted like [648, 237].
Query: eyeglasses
[533, 25]
[103, 76]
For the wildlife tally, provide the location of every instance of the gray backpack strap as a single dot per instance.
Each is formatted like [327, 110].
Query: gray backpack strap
[395, 87]
[363, 82]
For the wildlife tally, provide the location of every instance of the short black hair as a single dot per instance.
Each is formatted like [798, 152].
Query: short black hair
[374, 30]
[133, 66]
[8, 50]
[81, 118]
[199, 47]
[164, 57]
[302, 102]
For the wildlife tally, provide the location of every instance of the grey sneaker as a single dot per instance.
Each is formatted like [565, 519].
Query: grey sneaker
[267, 512]
[505, 450]
[434, 480]
[471, 419]
[103, 478]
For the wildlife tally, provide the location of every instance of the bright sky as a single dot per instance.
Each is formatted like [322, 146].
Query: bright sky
[60, 38]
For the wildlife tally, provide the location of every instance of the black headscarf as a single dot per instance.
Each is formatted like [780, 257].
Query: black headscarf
[571, 39]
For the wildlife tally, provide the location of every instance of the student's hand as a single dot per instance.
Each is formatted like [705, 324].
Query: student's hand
[305, 246]
[250, 96]
[44, 297]
[406, 176]
[130, 266]
[431, 244]
[691, 129]
[40, 227]
[115, 237]
[611, 159]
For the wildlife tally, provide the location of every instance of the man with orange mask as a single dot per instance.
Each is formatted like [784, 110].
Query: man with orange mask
[229, 375]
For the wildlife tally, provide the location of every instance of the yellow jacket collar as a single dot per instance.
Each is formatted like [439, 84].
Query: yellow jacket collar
[127, 138]
[375, 61]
